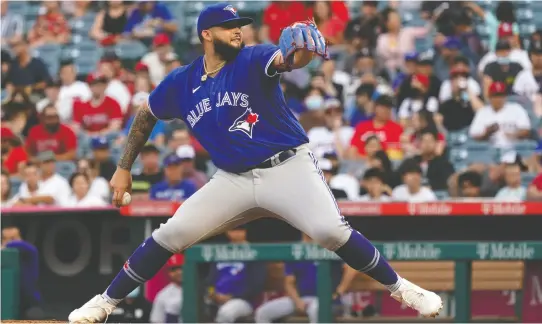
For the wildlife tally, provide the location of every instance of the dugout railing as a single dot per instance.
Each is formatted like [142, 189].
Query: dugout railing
[462, 253]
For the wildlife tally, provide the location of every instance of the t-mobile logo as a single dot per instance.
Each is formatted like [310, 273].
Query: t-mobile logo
[298, 251]
[483, 250]
[207, 253]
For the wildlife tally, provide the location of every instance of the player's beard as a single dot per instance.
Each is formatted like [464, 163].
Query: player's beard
[226, 50]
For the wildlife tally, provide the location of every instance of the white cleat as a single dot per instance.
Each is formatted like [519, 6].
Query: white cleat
[426, 302]
[95, 310]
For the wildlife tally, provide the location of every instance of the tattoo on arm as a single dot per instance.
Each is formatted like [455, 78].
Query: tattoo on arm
[140, 131]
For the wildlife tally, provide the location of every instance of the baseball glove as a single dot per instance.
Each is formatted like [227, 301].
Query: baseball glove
[300, 35]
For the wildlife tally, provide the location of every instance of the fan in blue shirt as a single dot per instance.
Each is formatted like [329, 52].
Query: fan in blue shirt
[174, 187]
[149, 19]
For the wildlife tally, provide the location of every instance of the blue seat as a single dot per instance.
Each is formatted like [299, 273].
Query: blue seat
[252, 6]
[523, 3]
[482, 30]
[474, 152]
[175, 7]
[442, 194]
[525, 148]
[83, 24]
[18, 7]
[53, 67]
[130, 50]
[28, 24]
[65, 168]
[423, 44]
[526, 29]
[33, 9]
[487, 157]
[85, 66]
[50, 55]
[524, 14]
[15, 184]
[48, 50]
[458, 138]
[528, 105]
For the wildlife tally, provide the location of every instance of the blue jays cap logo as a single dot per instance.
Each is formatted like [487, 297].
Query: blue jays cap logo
[245, 123]
[218, 14]
[231, 9]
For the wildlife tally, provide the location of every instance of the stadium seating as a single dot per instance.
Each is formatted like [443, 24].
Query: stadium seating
[15, 184]
[130, 50]
[65, 168]
[50, 53]
[18, 7]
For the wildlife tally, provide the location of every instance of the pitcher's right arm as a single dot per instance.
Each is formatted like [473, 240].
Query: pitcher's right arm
[138, 135]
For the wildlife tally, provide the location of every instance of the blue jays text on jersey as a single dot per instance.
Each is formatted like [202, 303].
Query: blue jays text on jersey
[239, 116]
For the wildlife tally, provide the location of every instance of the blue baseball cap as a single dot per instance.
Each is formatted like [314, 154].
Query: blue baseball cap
[452, 43]
[172, 159]
[218, 14]
[411, 56]
[99, 143]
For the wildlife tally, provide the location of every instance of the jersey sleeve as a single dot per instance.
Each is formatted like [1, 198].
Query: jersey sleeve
[164, 100]
[262, 59]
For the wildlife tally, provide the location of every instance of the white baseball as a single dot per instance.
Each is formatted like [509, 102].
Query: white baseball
[126, 199]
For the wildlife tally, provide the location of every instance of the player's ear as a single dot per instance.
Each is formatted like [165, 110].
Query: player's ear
[206, 35]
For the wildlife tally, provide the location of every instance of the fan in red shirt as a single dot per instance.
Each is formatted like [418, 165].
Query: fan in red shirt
[280, 14]
[101, 115]
[14, 156]
[388, 131]
[338, 9]
[534, 192]
[331, 19]
[51, 135]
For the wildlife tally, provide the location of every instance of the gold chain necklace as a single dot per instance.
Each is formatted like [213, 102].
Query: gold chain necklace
[204, 77]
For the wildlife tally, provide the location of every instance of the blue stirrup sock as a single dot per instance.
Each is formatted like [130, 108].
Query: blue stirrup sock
[144, 263]
[359, 253]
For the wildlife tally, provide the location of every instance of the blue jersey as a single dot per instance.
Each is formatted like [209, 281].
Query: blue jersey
[231, 278]
[138, 19]
[239, 116]
[305, 275]
[164, 191]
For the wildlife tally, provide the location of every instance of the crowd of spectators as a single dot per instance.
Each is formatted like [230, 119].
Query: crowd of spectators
[417, 104]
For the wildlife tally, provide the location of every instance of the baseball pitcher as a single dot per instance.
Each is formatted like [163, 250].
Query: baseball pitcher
[232, 101]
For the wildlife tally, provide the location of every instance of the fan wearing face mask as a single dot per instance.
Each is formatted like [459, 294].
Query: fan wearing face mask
[503, 69]
[505, 32]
